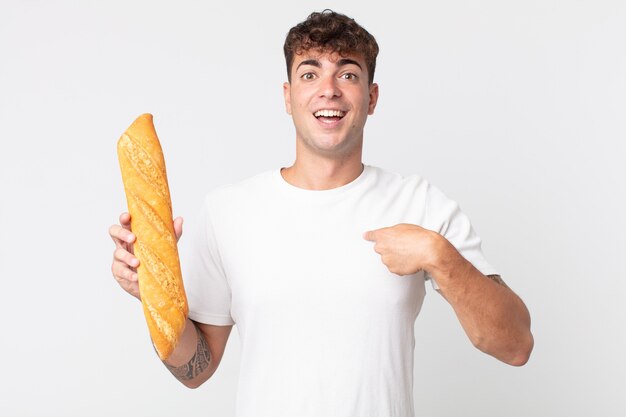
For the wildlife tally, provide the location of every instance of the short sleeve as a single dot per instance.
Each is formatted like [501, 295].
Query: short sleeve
[208, 292]
[445, 217]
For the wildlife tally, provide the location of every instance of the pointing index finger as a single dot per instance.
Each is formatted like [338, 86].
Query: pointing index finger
[370, 235]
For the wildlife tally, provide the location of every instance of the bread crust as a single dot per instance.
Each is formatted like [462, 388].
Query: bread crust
[147, 194]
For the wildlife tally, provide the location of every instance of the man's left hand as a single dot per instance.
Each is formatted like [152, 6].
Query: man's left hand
[405, 248]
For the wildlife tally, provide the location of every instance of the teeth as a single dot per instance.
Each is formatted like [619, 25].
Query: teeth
[329, 113]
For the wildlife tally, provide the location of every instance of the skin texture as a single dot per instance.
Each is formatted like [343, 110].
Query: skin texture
[328, 155]
[494, 318]
[196, 365]
[322, 81]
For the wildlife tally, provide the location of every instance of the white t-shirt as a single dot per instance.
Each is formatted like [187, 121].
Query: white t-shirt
[325, 328]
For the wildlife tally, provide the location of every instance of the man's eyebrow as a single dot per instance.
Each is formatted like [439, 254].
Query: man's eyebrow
[342, 62]
[348, 61]
[313, 62]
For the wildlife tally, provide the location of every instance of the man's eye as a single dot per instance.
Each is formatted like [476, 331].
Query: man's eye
[308, 76]
[349, 76]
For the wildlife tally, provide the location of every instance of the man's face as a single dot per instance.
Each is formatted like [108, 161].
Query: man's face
[329, 99]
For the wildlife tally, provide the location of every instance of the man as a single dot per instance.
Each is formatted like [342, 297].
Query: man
[322, 264]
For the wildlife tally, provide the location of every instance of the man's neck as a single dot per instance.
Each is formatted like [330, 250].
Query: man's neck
[322, 173]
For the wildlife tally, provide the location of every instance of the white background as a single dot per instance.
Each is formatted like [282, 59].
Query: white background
[516, 109]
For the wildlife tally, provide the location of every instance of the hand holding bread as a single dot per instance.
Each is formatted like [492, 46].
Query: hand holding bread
[124, 265]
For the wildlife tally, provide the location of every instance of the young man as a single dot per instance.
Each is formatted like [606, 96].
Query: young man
[322, 265]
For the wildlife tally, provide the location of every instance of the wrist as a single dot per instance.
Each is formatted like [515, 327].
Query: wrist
[445, 261]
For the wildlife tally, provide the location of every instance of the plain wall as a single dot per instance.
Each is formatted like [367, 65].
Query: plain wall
[515, 109]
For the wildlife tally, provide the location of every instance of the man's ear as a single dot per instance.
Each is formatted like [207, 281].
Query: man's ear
[373, 98]
[287, 96]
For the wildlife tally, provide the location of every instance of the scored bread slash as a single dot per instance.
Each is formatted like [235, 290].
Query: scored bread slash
[147, 194]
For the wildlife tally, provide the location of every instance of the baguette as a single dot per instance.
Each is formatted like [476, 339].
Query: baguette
[147, 194]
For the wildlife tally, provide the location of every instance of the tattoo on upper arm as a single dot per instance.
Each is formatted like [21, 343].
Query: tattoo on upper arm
[497, 279]
[198, 363]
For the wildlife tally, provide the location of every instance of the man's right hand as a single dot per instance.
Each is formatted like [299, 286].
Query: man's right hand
[124, 266]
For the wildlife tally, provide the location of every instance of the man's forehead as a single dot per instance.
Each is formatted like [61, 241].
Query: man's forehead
[321, 55]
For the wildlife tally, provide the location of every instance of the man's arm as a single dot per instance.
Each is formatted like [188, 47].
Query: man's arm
[198, 353]
[494, 317]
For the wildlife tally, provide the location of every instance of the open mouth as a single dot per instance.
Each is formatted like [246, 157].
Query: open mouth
[329, 116]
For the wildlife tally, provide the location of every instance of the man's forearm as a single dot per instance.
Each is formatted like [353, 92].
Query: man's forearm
[494, 317]
[191, 361]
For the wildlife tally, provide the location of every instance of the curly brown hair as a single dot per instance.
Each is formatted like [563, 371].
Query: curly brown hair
[331, 32]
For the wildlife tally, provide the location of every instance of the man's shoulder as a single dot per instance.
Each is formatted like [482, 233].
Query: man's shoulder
[246, 188]
[261, 179]
[412, 186]
[388, 178]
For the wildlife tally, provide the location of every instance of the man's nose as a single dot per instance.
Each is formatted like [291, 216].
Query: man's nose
[329, 87]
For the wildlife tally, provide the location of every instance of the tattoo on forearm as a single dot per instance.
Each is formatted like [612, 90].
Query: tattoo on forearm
[497, 279]
[198, 363]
